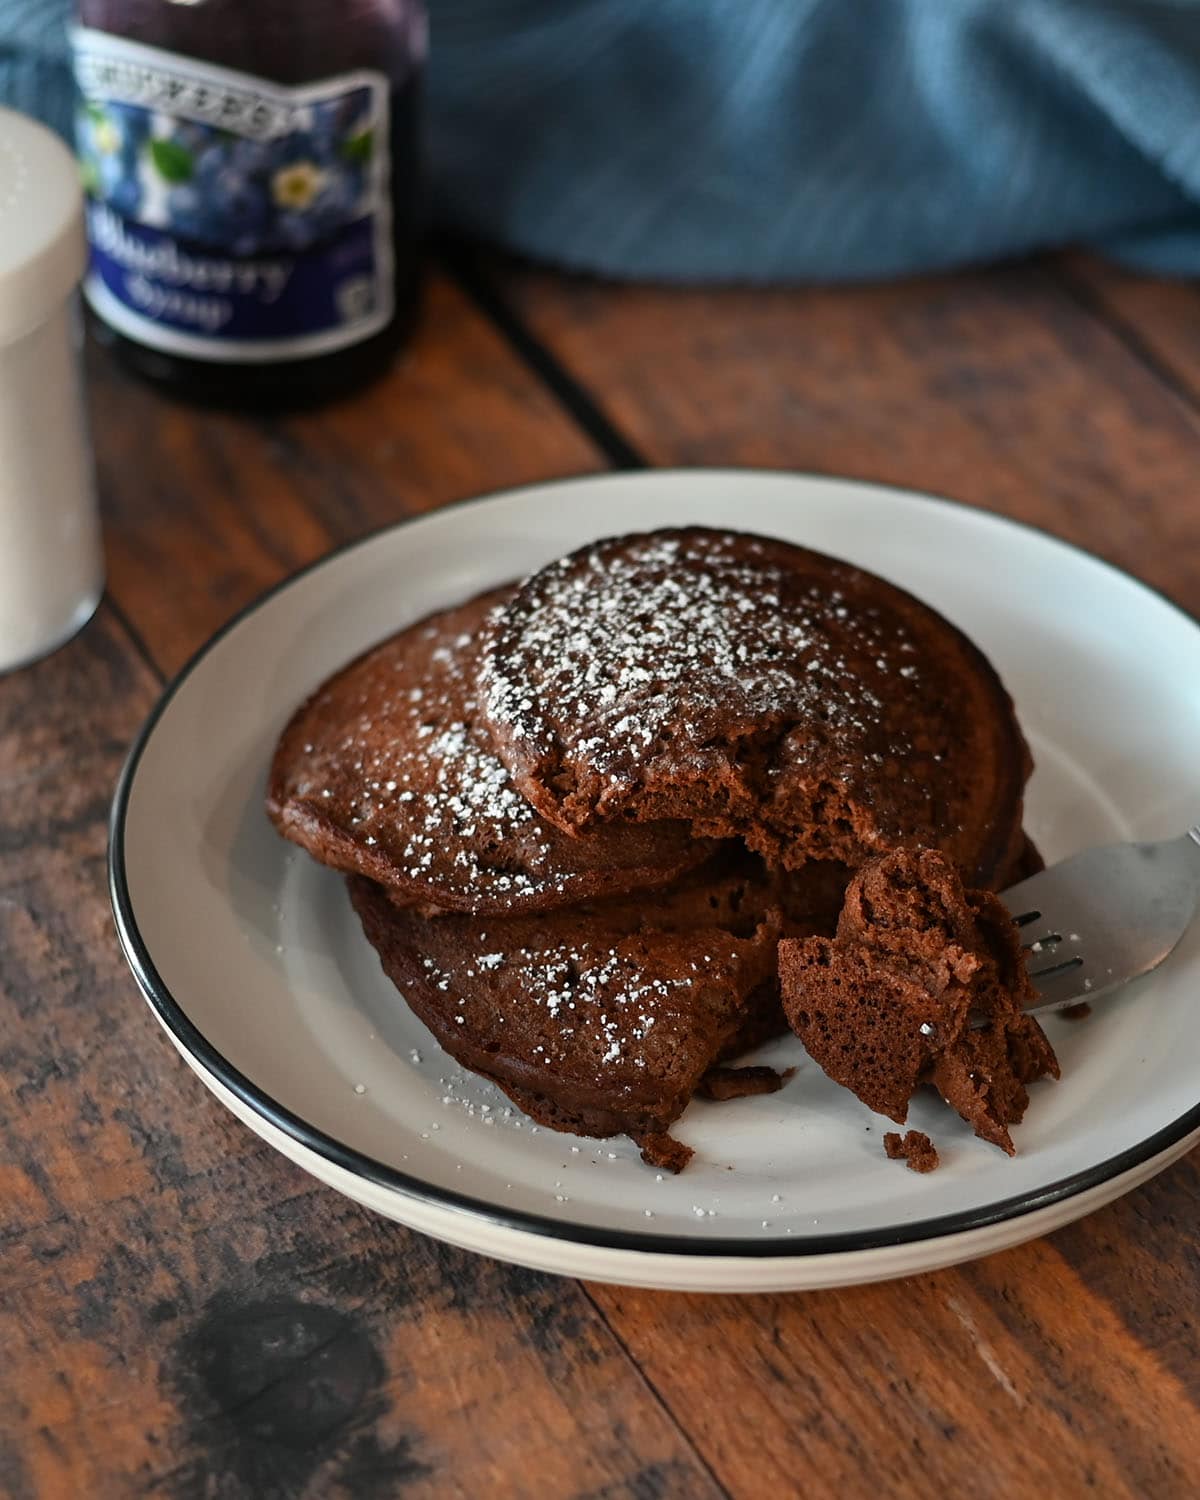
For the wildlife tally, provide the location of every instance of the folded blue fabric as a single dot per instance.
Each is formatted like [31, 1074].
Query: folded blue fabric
[776, 140]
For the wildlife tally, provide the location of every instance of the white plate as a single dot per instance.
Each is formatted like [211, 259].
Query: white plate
[251, 958]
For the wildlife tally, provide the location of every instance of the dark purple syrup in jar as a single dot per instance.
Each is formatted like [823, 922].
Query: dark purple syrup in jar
[253, 172]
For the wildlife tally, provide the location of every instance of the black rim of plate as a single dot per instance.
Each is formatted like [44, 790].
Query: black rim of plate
[173, 1016]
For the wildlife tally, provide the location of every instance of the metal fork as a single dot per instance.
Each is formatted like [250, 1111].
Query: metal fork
[1104, 917]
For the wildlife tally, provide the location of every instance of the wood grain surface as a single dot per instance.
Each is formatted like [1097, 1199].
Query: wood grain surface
[205, 510]
[185, 1314]
[1001, 389]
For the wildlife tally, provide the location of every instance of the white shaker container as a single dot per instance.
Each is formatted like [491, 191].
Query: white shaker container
[51, 566]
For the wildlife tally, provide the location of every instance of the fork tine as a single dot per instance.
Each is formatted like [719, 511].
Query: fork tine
[1059, 987]
[1042, 948]
[1043, 967]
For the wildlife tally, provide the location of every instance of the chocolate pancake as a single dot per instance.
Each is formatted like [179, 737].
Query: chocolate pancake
[387, 771]
[895, 999]
[734, 890]
[737, 893]
[754, 689]
[591, 1020]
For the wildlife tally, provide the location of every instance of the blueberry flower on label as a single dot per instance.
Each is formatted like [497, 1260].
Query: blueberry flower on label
[109, 143]
[106, 137]
[298, 185]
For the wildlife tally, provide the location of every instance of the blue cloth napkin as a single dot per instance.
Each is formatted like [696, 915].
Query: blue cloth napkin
[780, 140]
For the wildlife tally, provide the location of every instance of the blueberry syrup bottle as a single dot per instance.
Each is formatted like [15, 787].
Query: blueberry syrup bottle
[253, 190]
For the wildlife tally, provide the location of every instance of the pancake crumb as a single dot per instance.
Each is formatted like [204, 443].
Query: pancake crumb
[665, 1151]
[739, 1083]
[913, 1147]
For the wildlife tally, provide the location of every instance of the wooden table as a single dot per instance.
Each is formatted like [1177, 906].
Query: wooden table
[183, 1313]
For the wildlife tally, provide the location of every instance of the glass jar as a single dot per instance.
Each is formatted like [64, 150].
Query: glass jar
[252, 170]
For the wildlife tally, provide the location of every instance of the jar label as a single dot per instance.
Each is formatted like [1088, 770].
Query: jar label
[229, 218]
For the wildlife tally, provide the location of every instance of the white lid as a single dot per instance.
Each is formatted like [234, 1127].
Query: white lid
[42, 246]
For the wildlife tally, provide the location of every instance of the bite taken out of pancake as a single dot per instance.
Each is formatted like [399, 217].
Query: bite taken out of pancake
[757, 690]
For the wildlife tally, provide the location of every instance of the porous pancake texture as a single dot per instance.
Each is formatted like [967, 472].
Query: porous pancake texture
[924, 982]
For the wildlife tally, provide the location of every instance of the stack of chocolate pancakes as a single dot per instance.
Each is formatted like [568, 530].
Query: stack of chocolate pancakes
[581, 813]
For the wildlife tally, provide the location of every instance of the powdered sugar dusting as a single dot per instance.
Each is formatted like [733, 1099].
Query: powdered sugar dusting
[462, 803]
[597, 1002]
[407, 768]
[639, 647]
